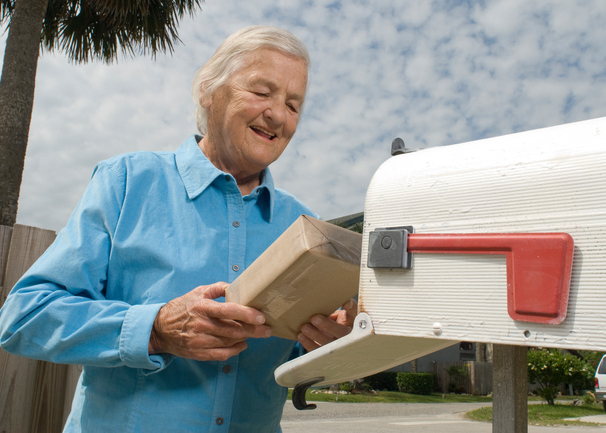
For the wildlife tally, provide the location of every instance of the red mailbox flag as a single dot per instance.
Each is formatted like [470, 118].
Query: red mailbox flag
[539, 267]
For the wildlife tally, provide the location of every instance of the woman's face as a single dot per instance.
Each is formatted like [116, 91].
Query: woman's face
[253, 116]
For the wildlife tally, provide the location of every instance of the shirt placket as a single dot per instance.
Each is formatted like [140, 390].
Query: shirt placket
[227, 371]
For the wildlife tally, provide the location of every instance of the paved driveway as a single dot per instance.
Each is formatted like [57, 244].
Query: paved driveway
[397, 417]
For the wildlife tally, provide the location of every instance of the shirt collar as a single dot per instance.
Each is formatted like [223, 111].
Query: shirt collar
[197, 173]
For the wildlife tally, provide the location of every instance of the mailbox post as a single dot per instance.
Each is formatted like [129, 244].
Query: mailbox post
[509, 389]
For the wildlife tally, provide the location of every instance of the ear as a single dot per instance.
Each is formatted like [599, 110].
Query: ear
[205, 99]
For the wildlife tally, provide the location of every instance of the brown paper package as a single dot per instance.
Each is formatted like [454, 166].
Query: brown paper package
[312, 268]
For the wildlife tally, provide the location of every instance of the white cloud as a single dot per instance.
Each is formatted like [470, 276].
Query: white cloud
[432, 73]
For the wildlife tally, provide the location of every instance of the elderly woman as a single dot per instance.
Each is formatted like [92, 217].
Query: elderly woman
[132, 287]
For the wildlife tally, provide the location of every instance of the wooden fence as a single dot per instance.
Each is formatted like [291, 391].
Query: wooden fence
[478, 379]
[35, 396]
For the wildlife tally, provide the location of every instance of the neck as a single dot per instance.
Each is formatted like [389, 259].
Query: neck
[246, 187]
[246, 181]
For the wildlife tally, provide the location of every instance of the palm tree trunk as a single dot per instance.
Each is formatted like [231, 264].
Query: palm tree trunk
[17, 85]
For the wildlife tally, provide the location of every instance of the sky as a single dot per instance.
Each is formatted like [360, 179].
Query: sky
[433, 73]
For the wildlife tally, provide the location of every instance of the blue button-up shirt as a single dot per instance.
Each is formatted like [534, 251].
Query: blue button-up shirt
[150, 227]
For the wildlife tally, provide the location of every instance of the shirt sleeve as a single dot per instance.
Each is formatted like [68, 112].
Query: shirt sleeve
[58, 311]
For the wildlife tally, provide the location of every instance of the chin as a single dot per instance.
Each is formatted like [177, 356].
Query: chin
[265, 159]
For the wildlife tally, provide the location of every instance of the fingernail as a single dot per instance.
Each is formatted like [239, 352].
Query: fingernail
[260, 319]
[316, 320]
[300, 337]
[268, 333]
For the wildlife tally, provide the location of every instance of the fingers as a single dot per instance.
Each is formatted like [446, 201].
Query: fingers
[323, 330]
[311, 337]
[333, 329]
[214, 320]
[221, 353]
[230, 311]
[346, 315]
[351, 308]
[213, 291]
[307, 342]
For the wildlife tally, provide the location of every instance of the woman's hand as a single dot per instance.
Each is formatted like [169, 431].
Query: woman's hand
[323, 330]
[195, 326]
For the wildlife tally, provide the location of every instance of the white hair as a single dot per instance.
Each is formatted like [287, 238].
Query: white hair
[230, 57]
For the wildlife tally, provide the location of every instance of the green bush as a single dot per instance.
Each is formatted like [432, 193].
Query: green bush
[346, 386]
[415, 383]
[365, 387]
[549, 368]
[384, 381]
[458, 375]
[355, 387]
[589, 398]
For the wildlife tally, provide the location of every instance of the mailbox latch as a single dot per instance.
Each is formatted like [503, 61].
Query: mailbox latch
[388, 248]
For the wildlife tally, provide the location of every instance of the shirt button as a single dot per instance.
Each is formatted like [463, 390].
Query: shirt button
[219, 421]
[236, 268]
[236, 224]
[227, 369]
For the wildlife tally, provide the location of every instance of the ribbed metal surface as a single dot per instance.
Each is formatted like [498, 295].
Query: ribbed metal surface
[550, 180]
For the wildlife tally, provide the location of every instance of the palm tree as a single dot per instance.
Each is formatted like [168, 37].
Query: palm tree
[85, 30]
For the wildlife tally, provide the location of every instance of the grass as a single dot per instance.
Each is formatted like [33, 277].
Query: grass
[538, 414]
[393, 397]
[543, 414]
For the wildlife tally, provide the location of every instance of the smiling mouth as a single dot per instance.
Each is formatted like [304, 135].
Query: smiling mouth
[263, 132]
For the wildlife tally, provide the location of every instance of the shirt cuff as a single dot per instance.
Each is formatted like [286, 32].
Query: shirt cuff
[134, 339]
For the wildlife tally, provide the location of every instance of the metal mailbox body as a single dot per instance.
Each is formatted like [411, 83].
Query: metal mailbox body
[550, 180]
[547, 180]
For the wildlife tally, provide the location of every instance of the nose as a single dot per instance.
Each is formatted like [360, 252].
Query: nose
[276, 112]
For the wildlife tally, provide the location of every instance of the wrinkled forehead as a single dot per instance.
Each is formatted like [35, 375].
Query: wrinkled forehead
[249, 58]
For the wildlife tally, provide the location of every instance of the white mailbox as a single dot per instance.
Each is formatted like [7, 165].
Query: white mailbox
[500, 240]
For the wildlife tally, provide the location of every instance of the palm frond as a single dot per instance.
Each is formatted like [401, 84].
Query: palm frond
[99, 29]
[125, 7]
[6, 10]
